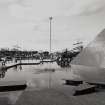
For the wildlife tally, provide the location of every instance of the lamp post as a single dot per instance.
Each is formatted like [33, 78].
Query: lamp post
[50, 18]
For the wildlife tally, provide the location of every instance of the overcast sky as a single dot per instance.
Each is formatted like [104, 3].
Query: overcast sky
[26, 22]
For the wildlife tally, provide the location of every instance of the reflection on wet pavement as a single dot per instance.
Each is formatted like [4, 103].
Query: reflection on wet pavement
[38, 77]
[9, 98]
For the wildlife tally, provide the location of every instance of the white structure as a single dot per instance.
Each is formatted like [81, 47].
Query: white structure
[90, 63]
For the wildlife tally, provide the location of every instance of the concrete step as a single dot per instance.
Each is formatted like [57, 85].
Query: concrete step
[84, 89]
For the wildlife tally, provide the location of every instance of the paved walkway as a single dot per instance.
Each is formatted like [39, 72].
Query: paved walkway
[60, 97]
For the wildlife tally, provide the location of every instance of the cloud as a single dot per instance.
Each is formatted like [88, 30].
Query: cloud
[88, 7]
[35, 9]
[38, 9]
[29, 19]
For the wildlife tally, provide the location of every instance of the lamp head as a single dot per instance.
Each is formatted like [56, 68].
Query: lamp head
[50, 18]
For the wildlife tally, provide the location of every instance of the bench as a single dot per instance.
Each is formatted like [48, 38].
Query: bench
[73, 82]
[12, 86]
[84, 89]
[100, 85]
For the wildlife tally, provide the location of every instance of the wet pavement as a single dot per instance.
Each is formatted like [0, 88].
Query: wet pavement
[45, 87]
[37, 77]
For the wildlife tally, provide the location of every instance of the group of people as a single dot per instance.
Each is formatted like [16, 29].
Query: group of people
[63, 61]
